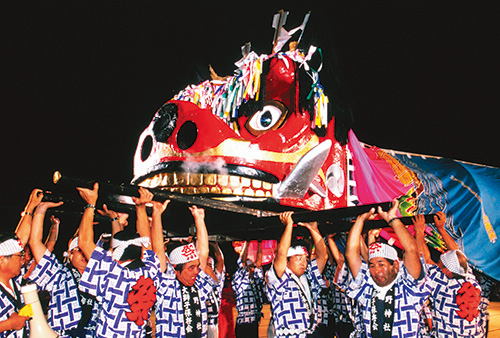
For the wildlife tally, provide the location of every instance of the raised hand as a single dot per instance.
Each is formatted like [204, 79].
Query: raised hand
[419, 223]
[88, 195]
[145, 196]
[198, 213]
[286, 218]
[440, 220]
[392, 213]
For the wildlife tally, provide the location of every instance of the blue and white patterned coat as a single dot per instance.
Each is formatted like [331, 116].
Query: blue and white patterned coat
[447, 322]
[110, 283]
[246, 304]
[346, 306]
[169, 310]
[290, 315]
[215, 299]
[7, 309]
[409, 297]
[64, 308]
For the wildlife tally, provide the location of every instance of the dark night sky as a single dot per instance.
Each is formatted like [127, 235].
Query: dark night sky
[80, 80]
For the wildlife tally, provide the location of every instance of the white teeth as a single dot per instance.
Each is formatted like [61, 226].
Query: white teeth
[193, 183]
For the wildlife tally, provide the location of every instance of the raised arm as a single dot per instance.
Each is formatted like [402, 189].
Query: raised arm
[86, 229]
[334, 250]
[279, 264]
[319, 244]
[23, 228]
[411, 254]
[157, 232]
[419, 226]
[38, 248]
[353, 246]
[201, 236]
[51, 240]
[244, 253]
[116, 225]
[440, 221]
[258, 258]
[219, 257]
[364, 249]
[142, 225]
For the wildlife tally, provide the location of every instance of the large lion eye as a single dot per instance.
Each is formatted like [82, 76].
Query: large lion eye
[269, 118]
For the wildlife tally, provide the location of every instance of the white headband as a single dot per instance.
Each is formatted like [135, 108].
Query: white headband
[10, 247]
[297, 250]
[73, 244]
[451, 262]
[183, 254]
[120, 246]
[383, 250]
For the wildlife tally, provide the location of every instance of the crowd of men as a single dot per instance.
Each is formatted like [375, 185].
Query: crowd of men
[135, 284]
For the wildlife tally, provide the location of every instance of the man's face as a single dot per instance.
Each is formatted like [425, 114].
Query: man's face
[12, 265]
[251, 269]
[27, 257]
[78, 260]
[297, 264]
[189, 273]
[382, 272]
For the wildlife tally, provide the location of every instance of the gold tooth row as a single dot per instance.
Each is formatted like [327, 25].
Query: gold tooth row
[194, 183]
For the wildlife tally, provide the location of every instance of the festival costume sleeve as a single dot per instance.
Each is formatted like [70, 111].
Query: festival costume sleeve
[6, 310]
[205, 284]
[315, 278]
[356, 288]
[276, 286]
[152, 263]
[342, 280]
[64, 311]
[45, 271]
[240, 279]
[98, 266]
[220, 281]
[417, 290]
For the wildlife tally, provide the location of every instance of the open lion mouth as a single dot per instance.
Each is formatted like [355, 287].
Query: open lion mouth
[233, 180]
[217, 184]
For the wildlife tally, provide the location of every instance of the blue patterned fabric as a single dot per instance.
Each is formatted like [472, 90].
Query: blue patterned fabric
[325, 299]
[409, 297]
[170, 321]
[290, 314]
[246, 303]
[64, 307]
[339, 304]
[7, 309]
[448, 308]
[215, 298]
[352, 306]
[469, 195]
[111, 284]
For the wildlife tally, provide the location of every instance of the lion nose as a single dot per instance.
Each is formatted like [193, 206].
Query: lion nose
[187, 135]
